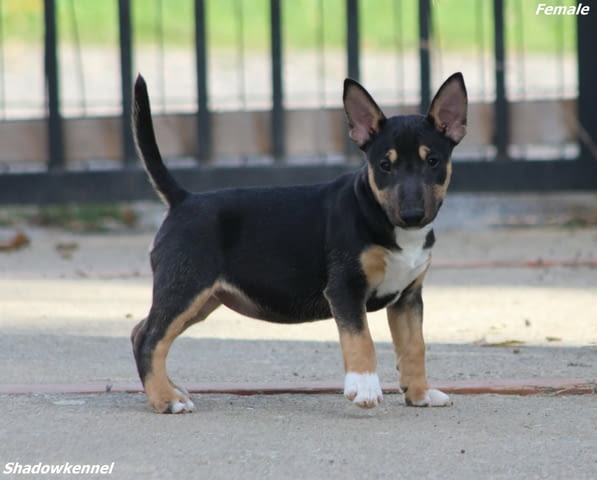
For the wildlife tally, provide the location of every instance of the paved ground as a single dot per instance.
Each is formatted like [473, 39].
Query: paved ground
[310, 437]
[68, 302]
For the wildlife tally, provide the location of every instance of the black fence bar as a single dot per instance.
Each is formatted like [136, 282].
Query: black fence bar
[587, 87]
[277, 116]
[126, 81]
[501, 122]
[55, 134]
[424, 56]
[353, 55]
[203, 117]
[352, 39]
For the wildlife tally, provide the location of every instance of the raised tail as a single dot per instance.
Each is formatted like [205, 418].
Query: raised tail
[163, 182]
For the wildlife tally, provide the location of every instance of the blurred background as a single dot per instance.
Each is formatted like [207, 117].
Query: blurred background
[249, 92]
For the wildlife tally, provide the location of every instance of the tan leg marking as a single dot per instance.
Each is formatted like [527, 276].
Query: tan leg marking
[406, 326]
[358, 351]
[209, 306]
[161, 392]
[361, 383]
[235, 299]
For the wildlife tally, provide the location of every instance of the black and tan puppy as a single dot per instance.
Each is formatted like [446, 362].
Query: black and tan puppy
[296, 254]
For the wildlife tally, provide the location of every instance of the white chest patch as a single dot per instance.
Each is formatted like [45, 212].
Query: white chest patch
[403, 266]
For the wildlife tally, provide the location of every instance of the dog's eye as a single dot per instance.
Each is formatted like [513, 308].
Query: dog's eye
[385, 165]
[432, 161]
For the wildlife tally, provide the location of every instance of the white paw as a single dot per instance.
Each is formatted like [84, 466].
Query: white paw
[433, 398]
[182, 406]
[363, 389]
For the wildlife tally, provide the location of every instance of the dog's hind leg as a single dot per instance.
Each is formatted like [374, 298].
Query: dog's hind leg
[405, 319]
[152, 339]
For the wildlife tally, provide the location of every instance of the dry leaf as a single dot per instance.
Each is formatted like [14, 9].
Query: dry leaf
[19, 240]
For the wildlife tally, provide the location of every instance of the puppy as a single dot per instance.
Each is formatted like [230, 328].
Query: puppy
[357, 244]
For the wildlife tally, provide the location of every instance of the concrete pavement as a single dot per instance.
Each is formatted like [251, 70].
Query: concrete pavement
[66, 315]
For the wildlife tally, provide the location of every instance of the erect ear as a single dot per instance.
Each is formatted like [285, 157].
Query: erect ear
[448, 108]
[365, 118]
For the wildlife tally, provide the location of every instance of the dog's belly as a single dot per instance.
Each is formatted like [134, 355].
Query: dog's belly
[299, 309]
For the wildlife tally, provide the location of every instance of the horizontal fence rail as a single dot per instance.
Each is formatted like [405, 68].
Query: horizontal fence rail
[546, 123]
[517, 140]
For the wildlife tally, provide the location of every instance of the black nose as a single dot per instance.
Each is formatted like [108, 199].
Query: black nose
[412, 217]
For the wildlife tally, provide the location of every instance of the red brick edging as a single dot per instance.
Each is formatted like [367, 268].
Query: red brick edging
[532, 263]
[554, 386]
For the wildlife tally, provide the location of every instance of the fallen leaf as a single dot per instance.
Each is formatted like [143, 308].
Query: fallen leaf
[553, 339]
[19, 240]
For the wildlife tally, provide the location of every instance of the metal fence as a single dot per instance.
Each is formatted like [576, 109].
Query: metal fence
[268, 110]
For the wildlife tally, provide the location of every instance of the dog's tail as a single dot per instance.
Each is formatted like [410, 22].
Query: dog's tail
[163, 182]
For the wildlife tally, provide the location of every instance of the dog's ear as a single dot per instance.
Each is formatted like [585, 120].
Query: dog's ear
[448, 108]
[365, 118]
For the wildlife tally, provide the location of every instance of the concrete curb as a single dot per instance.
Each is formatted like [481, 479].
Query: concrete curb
[552, 386]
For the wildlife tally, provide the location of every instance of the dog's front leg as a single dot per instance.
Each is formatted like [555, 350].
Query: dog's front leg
[405, 319]
[361, 383]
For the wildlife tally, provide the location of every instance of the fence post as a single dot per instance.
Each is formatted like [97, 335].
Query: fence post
[352, 39]
[424, 57]
[55, 134]
[353, 58]
[126, 81]
[277, 115]
[587, 86]
[501, 120]
[203, 116]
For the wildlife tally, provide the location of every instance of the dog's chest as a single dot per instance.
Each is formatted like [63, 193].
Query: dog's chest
[389, 272]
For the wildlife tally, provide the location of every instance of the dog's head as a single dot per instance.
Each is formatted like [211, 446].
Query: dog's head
[408, 156]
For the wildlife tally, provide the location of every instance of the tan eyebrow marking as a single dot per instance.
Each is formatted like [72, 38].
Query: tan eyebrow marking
[392, 155]
[423, 152]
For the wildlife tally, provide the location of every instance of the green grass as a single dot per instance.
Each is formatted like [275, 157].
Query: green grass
[385, 24]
